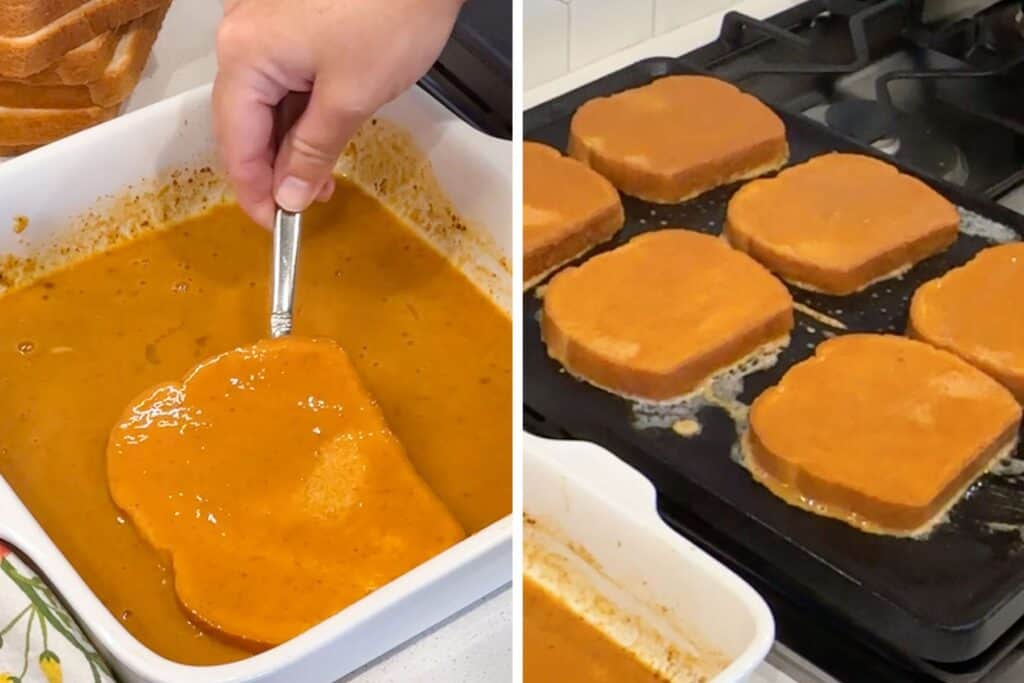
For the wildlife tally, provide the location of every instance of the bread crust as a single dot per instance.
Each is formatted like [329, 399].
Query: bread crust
[22, 17]
[22, 129]
[80, 66]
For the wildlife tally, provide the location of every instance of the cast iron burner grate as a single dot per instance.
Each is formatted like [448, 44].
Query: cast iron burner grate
[941, 99]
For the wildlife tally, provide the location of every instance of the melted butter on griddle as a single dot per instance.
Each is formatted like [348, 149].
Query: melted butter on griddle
[687, 427]
[1011, 467]
[1005, 528]
[985, 228]
[895, 274]
[721, 390]
[819, 316]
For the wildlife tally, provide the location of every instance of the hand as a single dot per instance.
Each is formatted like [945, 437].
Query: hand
[327, 66]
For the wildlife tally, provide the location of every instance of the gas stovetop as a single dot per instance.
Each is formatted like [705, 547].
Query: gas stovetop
[938, 86]
[943, 97]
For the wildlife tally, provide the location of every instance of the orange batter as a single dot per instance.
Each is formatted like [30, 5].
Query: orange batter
[656, 317]
[80, 344]
[271, 478]
[840, 222]
[974, 312]
[880, 431]
[559, 646]
[678, 137]
[567, 209]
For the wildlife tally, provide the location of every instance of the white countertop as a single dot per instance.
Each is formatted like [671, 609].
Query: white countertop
[474, 646]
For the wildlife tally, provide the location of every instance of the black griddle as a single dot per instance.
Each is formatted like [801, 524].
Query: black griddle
[955, 598]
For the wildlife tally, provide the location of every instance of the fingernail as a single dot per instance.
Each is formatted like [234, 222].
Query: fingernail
[326, 191]
[295, 194]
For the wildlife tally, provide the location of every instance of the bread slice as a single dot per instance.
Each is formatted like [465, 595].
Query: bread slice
[82, 65]
[22, 55]
[567, 210]
[300, 481]
[974, 312]
[655, 318]
[33, 115]
[840, 222]
[22, 129]
[678, 137]
[879, 431]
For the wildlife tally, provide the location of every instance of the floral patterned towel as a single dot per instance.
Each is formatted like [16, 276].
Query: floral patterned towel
[39, 641]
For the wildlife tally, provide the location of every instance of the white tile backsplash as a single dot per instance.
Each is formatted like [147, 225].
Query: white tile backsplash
[598, 28]
[562, 36]
[545, 41]
[671, 14]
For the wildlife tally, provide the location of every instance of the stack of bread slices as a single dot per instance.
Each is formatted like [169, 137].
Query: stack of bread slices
[66, 65]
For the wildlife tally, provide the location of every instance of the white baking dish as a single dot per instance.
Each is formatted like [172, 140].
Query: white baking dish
[57, 183]
[604, 511]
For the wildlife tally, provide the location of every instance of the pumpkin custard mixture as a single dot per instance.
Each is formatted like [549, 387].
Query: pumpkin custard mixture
[398, 382]
[560, 645]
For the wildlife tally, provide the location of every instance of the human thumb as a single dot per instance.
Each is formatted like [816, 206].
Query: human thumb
[304, 167]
